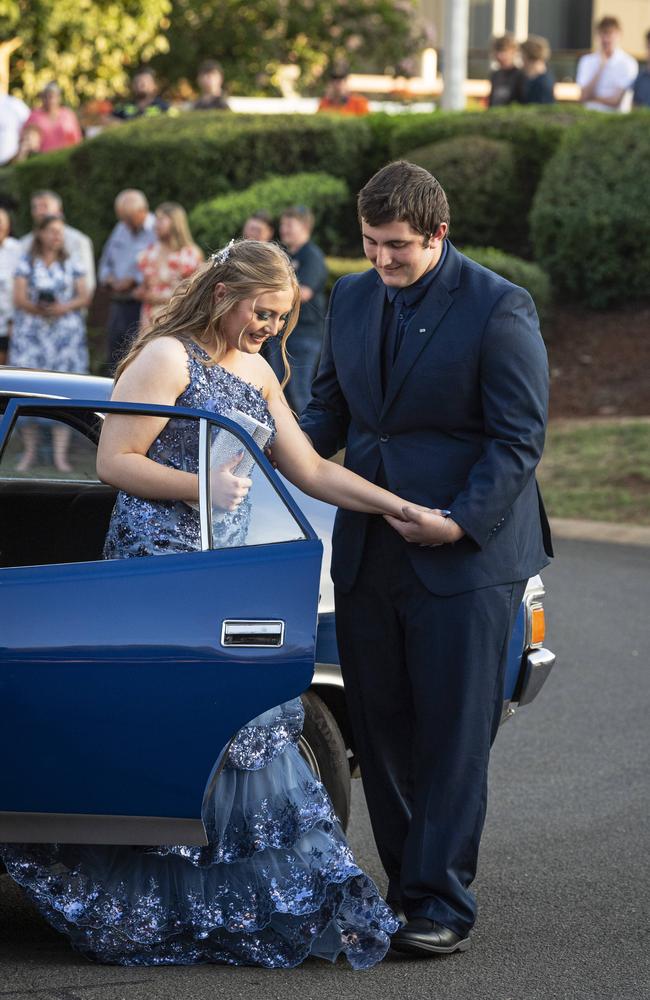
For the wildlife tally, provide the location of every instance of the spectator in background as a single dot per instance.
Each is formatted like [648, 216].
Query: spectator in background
[49, 331]
[58, 125]
[119, 271]
[507, 82]
[305, 342]
[259, 226]
[641, 93]
[29, 143]
[145, 101]
[173, 257]
[13, 115]
[606, 76]
[338, 98]
[539, 82]
[76, 243]
[210, 80]
[9, 257]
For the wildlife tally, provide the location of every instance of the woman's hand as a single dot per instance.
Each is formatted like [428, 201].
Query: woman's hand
[228, 490]
[425, 527]
[54, 309]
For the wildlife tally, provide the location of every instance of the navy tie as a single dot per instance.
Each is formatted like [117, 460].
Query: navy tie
[394, 336]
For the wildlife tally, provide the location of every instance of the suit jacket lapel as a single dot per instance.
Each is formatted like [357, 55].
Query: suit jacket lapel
[372, 348]
[423, 324]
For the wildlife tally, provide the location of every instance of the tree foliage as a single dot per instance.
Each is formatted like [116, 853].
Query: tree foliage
[87, 46]
[253, 38]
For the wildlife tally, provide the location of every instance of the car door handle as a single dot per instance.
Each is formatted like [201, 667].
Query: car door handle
[242, 632]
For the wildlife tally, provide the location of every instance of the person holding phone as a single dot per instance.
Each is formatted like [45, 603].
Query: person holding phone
[49, 331]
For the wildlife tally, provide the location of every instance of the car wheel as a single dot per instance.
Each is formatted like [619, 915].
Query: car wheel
[323, 747]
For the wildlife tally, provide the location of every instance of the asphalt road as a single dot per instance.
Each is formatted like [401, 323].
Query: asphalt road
[563, 882]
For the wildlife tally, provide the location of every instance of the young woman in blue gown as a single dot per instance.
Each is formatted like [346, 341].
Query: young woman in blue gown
[277, 881]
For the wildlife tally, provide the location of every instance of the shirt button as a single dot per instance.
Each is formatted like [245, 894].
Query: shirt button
[384, 438]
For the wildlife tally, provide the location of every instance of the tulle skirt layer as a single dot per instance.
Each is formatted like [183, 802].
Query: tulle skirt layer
[275, 884]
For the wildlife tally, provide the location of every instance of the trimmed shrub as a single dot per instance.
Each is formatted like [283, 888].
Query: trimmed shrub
[479, 176]
[591, 215]
[190, 158]
[338, 266]
[533, 132]
[214, 222]
[520, 272]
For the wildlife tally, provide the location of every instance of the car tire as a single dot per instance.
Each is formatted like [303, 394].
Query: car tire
[323, 747]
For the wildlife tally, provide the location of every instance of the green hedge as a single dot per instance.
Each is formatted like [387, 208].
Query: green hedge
[520, 272]
[479, 176]
[591, 215]
[191, 158]
[534, 134]
[214, 222]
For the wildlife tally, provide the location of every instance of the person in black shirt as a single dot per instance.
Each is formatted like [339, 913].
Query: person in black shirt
[538, 85]
[507, 82]
[210, 80]
[145, 101]
[304, 344]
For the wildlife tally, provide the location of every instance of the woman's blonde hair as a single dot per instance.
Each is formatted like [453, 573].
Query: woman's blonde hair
[180, 235]
[250, 269]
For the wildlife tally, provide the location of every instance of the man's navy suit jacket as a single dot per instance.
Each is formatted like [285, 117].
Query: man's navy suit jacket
[461, 425]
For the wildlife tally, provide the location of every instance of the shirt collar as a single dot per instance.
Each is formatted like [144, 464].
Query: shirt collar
[412, 294]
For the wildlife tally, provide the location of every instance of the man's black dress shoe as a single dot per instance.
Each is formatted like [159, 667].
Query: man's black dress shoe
[421, 936]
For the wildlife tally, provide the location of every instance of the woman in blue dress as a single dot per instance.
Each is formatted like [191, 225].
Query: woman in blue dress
[277, 881]
[49, 330]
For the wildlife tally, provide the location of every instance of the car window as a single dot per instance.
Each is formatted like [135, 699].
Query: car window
[261, 517]
[45, 449]
[54, 508]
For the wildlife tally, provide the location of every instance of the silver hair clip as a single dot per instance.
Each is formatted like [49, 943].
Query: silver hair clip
[221, 256]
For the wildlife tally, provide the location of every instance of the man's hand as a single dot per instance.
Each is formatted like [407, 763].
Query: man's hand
[425, 527]
[229, 490]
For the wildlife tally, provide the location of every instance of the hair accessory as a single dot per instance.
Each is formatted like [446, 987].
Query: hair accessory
[221, 256]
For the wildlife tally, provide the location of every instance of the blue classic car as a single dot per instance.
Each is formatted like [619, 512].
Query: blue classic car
[123, 681]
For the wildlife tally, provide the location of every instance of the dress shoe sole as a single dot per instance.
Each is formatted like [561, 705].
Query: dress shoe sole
[415, 947]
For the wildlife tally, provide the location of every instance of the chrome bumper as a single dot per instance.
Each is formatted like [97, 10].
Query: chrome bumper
[539, 663]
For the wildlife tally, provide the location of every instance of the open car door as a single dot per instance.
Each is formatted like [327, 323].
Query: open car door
[122, 681]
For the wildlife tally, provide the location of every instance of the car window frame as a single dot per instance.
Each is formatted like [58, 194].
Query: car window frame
[18, 406]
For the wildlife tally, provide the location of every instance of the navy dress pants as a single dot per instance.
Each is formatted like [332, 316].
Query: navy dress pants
[424, 682]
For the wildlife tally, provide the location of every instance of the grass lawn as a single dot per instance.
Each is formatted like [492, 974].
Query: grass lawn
[598, 470]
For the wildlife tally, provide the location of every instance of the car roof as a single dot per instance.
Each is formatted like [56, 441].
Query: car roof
[64, 385]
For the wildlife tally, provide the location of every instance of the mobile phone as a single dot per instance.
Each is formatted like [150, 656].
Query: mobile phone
[45, 296]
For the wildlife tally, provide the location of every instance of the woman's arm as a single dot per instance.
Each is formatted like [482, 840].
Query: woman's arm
[325, 480]
[157, 375]
[22, 299]
[80, 300]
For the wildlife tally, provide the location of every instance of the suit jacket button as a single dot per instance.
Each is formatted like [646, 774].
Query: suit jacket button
[384, 438]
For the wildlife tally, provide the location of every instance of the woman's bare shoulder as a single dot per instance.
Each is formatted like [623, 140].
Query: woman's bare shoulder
[158, 372]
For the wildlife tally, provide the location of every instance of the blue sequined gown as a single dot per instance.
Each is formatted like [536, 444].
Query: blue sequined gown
[277, 881]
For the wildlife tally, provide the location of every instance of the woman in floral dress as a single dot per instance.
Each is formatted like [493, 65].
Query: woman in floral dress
[173, 257]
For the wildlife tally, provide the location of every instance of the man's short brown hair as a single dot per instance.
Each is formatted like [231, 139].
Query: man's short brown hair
[404, 192]
[505, 43]
[608, 24]
[300, 212]
[535, 47]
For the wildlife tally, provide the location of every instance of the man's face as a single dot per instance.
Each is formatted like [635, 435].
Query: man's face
[294, 233]
[44, 205]
[399, 253]
[608, 40]
[144, 86]
[210, 83]
[505, 58]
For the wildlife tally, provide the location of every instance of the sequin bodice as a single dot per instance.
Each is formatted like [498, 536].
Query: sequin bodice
[154, 527]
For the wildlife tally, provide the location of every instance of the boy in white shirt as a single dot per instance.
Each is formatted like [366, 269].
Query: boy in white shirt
[606, 76]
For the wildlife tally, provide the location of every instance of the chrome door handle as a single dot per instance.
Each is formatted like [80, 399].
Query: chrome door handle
[242, 632]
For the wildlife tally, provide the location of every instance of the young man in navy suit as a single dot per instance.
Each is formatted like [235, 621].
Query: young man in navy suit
[435, 380]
